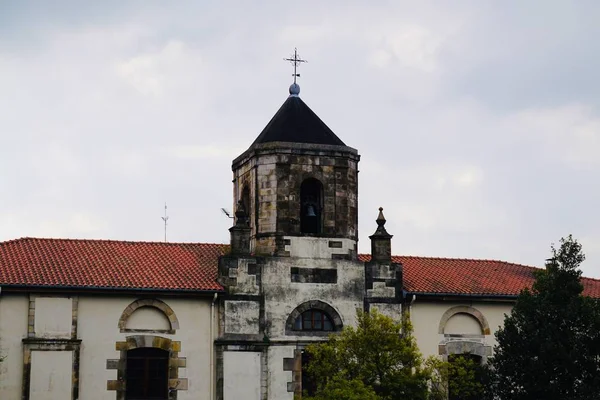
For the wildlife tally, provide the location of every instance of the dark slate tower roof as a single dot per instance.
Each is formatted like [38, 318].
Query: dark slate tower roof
[296, 122]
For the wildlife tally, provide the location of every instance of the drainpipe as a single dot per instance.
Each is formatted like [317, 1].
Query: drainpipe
[212, 348]
[410, 305]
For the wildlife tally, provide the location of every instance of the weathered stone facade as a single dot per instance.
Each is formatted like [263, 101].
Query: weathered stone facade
[295, 265]
[265, 298]
[272, 174]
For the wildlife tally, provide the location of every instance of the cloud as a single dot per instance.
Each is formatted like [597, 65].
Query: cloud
[570, 133]
[477, 123]
[77, 223]
[204, 152]
[411, 46]
[433, 197]
[128, 163]
[72, 224]
[154, 72]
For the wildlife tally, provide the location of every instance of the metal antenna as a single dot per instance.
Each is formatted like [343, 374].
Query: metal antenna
[226, 212]
[165, 219]
[296, 61]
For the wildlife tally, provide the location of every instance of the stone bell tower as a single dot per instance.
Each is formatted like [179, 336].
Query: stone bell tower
[292, 276]
[298, 183]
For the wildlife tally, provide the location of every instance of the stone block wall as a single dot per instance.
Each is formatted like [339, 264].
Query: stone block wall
[274, 172]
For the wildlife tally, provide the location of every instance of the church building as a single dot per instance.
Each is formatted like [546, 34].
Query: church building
[105, 320]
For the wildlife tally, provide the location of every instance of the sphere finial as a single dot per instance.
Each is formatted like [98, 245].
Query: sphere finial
[294, 89]
[296, 61]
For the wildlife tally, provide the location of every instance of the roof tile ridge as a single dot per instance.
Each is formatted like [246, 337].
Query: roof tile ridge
[587, 278]
[49, 239]
[488, 260]
[21, 239]
[468, 259]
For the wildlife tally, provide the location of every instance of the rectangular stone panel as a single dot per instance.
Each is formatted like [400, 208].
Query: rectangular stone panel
[242, 316]
[313, 275]
[288, 364]
[252, 269]
[53, 317]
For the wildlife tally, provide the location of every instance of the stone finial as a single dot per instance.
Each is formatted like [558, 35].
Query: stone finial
[381, 241]
[381, 225]
[240, 232]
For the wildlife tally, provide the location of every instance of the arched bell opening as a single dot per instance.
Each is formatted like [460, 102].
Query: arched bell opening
[246, 200]
[311, 210]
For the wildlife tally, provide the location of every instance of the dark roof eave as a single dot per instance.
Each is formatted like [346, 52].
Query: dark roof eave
[450, 295]
[295, 148]
[108, 289]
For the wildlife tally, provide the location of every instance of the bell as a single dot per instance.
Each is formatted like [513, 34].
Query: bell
[310, 211]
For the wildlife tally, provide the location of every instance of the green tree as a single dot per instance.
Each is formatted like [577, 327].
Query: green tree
[466, 378]
[462, 378]
[339, 389]
[379, 355]
[549, 347]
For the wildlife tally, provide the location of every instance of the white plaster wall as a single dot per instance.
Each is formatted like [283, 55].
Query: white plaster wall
[241, 375]
[426, 316]
[463, 324]
[278, 378]
[51, 375]
[13, 328]
[98, 328]
[282, 296]
[148, 318]
[53, 317]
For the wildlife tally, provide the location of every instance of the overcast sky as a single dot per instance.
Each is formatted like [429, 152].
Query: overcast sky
[478, 122]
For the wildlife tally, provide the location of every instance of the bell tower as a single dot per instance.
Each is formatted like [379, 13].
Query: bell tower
[292, 276]
[298, 183]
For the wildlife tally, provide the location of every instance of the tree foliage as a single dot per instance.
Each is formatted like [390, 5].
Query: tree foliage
[549, 347]
[460, 378]
[337, 388]
[467, 378]
[379, 356]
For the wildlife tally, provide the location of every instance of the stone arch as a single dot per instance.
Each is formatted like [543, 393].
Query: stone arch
[313, 305]
[154, 303]
[485, 328]
[140, 341]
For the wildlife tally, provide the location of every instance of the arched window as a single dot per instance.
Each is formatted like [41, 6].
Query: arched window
[478, 323]
[147, 374]
[313, 320]
[311, 206]
[148, 315]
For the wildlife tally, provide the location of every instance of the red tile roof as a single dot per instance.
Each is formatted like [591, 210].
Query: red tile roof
[110, 264]
[457, 276]
[193, 267]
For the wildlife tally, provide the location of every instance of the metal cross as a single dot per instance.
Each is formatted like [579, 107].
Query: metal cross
[295, 61]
